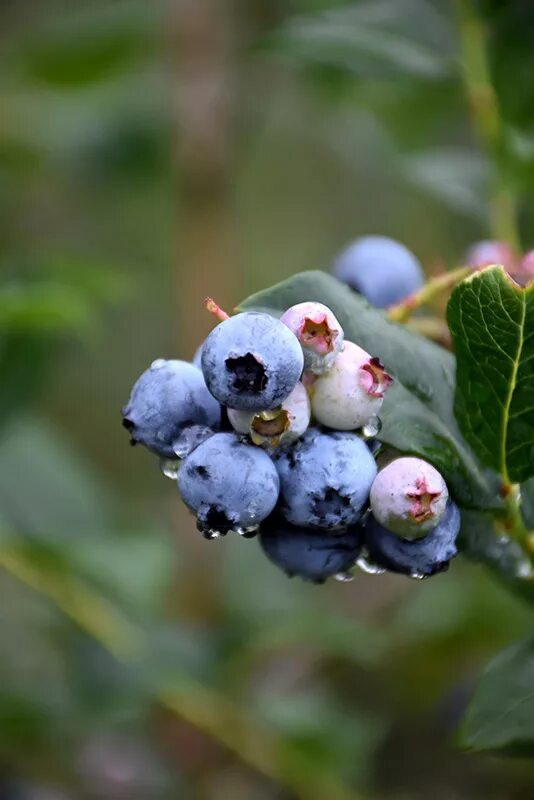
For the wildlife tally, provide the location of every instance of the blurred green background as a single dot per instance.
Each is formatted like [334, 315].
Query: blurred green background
[152, 153]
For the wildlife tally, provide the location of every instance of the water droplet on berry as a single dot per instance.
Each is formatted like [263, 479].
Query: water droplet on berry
[212, 534]
[157, 364]
[248, 532]
[417, 576]
[525, 570]
[169, 467]
[190, 438]
[367, 566]
[372, 427]
[344, 577]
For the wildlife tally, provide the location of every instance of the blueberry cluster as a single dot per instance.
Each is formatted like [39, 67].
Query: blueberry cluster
[271, 433]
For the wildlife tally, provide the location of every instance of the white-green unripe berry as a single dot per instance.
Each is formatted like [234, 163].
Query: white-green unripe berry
[281, 425]
[409, 497]
[319, 333]
[352, 392]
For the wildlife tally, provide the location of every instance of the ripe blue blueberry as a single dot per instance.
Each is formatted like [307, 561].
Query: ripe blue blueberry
[197, 358]
[251, 362]
[526, 267]
[312, 555]
[325, 479]
[408, 497]
[351, 393]
[319, 333]
[381, 269]
[168, 398]
[420, 557]
[229, 485]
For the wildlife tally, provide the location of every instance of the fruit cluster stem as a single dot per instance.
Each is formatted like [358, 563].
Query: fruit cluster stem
[432, 289]
[487, 121]
[512, 520]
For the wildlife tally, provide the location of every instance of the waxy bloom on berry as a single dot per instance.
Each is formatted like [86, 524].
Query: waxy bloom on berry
[408, 497]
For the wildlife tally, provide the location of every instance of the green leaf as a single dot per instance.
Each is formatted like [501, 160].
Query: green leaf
[381, 38]
[88, 46]
[24, 359]
[43, 307]
[527, 503]
[492, 326]
[47, 489]
[481, 542]
[453, 176]
[501, 714]
[417, 415]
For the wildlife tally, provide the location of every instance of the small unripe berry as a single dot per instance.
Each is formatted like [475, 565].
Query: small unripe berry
[352, 392]
[525, 270]
[318, 331]
[409, 497]
[489, 251]
[281, 425]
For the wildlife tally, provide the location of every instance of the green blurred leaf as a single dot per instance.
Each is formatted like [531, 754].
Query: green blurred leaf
[44, 307]
[375, 38]
[135, 567]
[527, 502]
[417, 415]
[63, 514]
[455, 177]
[96, 281]
[491, 320]
[481, 542]
[501, 714]
[46, 488]
[318, 729]
[84, 49]
[24, 359]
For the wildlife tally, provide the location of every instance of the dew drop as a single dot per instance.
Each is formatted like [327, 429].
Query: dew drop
[169, 467]
[417, 576]
[372, 427]
[344, 577]
[157, 364]
[367, 566]
[212, 534]
[525, 570]
[190, 438]
[247, 532]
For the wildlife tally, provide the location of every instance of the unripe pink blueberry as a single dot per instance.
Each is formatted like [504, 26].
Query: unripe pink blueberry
[408, 497]
[352, 392]
[490, 251]
[276, 426]
[318, 331]
[525, 270]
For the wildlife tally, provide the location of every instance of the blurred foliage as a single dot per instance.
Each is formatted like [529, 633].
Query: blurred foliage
[129, 645]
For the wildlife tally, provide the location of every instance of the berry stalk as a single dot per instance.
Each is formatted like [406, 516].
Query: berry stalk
[216, 310]
[432, 289]
[487, 121]
[511, 521]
